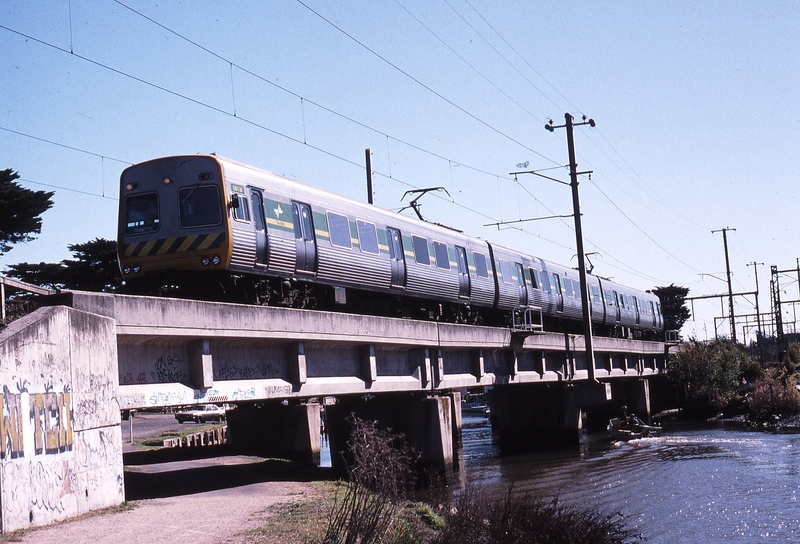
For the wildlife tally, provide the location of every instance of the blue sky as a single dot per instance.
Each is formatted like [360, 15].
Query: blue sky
[696, 104]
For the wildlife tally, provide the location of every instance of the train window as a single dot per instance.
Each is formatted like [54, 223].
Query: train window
[442, 258]
[339, 228]
[505, 270]
[141, 214]
[200, 206]
[596, 294]
[242, 211]
[367, 237]
[534, 278]
[480, 265]
[421, 254]
[556, 284]
[545, 282]
[576, 286]
[568, 288]
[609, 297]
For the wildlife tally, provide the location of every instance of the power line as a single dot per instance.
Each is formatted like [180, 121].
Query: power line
[521, 57]
[450, 161]
[424, 86]
[302, 98]
[62, 188]
[632, 222]
[233, 114]
[64, 145]
[465, 61]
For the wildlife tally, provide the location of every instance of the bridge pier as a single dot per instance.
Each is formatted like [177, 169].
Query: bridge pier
[431, 425]
[274, 429]
[537, 417]
[631, 392]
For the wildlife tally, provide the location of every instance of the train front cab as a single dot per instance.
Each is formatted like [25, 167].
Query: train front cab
[172, 218]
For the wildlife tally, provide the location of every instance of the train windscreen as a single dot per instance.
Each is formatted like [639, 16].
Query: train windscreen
[141, 214]
[200, 206]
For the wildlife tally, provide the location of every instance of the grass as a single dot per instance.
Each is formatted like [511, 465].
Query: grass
[297, 522]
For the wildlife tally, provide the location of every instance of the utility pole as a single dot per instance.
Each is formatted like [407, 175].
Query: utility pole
[775, 288]
[759, 333]
[730, 288]
[576, 205]
[370, 195]
[758, 312]
[798, 275]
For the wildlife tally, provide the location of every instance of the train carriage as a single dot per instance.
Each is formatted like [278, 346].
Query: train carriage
[234, 231]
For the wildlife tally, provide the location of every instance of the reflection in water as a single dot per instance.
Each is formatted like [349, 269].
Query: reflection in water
[688, 485]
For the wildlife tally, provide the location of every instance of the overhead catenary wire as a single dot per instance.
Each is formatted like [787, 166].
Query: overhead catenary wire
[349, 36]
[234, 114]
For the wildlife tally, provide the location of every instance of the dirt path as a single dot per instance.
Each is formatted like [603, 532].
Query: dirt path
[207, 501]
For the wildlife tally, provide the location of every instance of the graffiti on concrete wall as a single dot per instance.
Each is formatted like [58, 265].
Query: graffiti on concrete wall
[230, 371]
[52, 422]
[169, 398]
[167, 369]
[225, 395]
[49, 417]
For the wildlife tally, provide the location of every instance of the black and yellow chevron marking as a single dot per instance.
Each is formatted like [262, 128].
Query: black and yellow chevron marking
[177, 244]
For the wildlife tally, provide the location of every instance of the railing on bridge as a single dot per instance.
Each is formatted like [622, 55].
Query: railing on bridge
[527, 318]
[20, 286]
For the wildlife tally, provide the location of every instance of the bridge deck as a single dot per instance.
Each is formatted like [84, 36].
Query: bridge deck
[174, 351]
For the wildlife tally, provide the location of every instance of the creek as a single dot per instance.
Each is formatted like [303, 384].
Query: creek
[695, 483]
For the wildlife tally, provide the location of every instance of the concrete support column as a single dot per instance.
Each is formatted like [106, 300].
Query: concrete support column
[275, 429]
[369, 365]
[200, 364]
[455, 404]
[541, 417]
[296, 357]
[639, 398]
[426, 422]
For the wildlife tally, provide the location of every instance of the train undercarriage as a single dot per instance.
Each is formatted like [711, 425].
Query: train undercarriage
[294, 293]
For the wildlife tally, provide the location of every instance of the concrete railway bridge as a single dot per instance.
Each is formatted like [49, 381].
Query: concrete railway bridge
[69, 368]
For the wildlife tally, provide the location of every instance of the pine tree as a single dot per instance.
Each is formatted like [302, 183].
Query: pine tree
[20, 211]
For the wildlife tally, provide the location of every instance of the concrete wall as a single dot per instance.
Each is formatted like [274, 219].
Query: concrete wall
[60, 439]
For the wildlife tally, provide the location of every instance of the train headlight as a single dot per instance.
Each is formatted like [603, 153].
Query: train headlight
[205, 261]
[215, 260]
[137, 268]
[126, 270]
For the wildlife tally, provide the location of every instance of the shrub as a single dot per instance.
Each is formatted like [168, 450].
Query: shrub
[707, 374]
[505, 518]
[380, 466]
[771, 397]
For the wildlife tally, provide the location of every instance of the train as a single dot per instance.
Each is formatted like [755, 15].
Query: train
[204, 226]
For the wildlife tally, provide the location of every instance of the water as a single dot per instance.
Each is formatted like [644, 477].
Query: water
[689, 485]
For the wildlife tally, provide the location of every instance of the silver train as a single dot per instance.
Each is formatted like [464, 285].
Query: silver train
[204, 226]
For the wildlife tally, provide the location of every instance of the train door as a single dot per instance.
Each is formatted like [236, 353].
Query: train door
[523, 289]
[463, 273]
[259, 223]
[396, 256]
[636, 308]
[304, 238]
[617, 304]
[558, 293]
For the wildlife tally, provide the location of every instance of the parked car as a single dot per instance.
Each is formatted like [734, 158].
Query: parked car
[201, 414]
